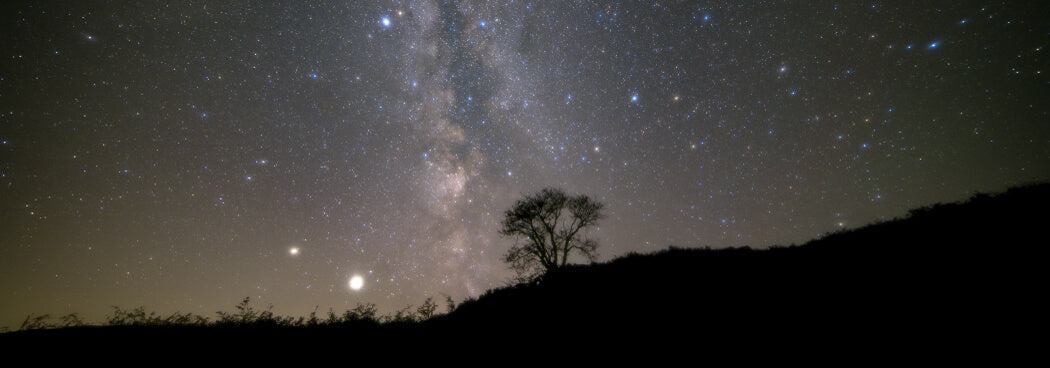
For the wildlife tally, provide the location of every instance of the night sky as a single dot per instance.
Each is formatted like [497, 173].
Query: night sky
[183, 155]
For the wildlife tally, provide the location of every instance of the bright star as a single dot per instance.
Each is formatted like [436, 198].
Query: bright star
[385, 21]
[356, 283]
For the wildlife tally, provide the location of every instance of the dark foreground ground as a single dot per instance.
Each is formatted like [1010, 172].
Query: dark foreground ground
[958, 279]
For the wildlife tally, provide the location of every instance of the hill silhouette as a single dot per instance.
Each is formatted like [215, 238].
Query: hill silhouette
[948, 270]
[958, 273]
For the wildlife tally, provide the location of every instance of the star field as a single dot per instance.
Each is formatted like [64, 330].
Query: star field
[184, 155]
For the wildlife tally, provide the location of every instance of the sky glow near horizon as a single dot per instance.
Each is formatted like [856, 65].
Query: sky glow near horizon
[181, 156]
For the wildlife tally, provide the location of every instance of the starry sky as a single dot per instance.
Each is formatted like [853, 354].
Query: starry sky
[182, 155]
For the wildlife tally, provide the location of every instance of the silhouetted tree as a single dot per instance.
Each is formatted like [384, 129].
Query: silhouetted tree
[427, 310]
[548, 227]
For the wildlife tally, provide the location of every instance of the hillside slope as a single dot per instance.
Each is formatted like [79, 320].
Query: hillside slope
[943, 270]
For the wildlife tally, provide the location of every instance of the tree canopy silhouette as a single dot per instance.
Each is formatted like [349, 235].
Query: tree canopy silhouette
[548, 226]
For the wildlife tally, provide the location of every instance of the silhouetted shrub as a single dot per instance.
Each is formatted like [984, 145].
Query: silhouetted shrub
[35, 323]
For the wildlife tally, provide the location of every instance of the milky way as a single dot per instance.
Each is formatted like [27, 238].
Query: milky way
[184, 155]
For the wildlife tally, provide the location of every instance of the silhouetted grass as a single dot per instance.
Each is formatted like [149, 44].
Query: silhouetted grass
[244, 315]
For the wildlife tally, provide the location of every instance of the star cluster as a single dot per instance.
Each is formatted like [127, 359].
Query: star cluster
[184, 155]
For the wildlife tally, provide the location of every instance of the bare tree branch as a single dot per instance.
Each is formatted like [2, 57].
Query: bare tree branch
[548, 225]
